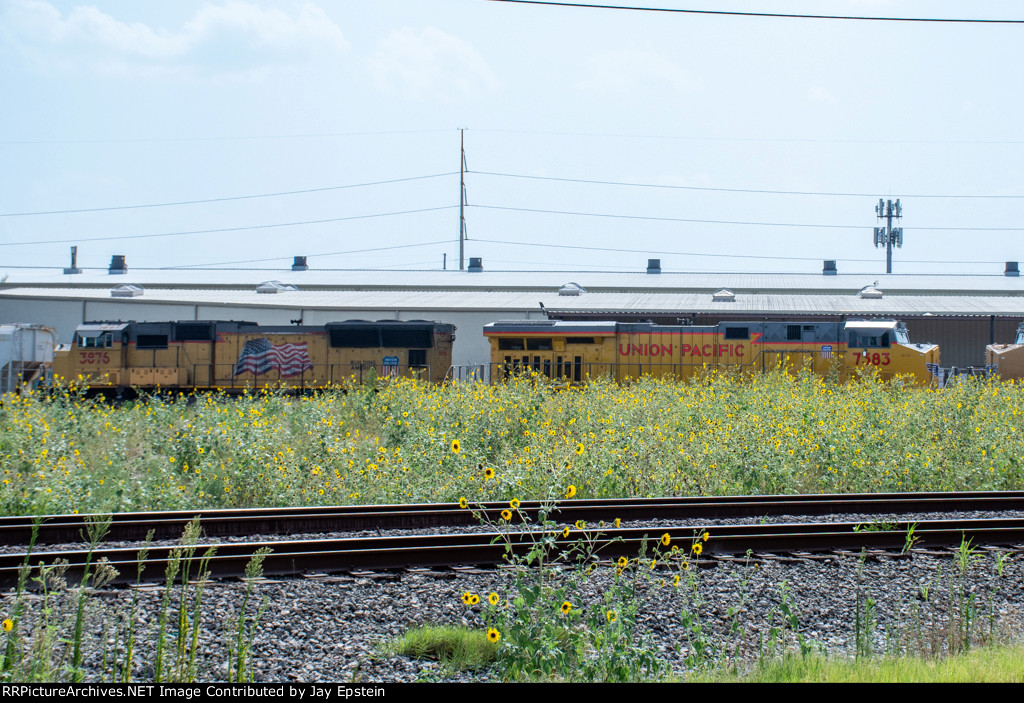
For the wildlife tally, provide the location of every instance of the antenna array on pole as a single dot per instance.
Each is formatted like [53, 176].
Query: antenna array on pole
[888, 235]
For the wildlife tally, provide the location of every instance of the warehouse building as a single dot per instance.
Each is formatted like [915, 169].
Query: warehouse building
[961, 313]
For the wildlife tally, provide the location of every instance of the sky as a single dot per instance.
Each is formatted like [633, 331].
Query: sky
[595, 139]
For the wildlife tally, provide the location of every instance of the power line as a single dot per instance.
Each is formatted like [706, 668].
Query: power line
[234, 197]
[228, 229]
[728, 190]
[130, 140]
[285, 258]
[734, 222]
[769, 140]
[717, 256]
[780, 15]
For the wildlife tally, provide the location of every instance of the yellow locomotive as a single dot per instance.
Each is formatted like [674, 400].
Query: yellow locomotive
[232, 355]
[575, 350]
[1007, 360]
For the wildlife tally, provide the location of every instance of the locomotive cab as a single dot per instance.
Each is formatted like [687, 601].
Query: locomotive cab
[1007, 360]
[96, 356]
[885, 346]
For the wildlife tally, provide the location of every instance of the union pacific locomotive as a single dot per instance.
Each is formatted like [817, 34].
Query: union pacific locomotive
[1007, 360]
[577, 350]
[238, 355]
[233, 355]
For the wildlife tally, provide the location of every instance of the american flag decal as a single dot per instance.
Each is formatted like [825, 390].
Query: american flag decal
[260, 356]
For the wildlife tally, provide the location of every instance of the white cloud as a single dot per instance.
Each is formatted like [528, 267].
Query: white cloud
[237, 34]
[627, 70]
[429, 64]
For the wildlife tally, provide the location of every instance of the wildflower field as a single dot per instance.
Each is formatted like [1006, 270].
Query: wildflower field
[406, 441]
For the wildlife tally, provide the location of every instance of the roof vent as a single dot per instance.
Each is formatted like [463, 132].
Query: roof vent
[572, 289]
[299, 264]
[829, 268]
[73, 268]
[870, 292]
[476, 264]
[654, 266]
[274, 287]
[1011, 269]
[724, 296]
[128, 290]
[117, 264]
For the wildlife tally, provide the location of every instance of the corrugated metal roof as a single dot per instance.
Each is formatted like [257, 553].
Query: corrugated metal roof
[514, 301]
[995, 284]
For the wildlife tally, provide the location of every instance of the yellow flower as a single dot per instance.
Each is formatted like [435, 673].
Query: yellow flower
[675, 579]
[493, 599]
[580, 524]
[698, 548]
[506, 515]
[473, 599]
[565, 531]
[623, 561]
[514, 504]
[566, 607]
[570, 491]
[611, 616]
[579, 448]
[654, 564]
[488, 473]
[8, 624]
[618, 522]
[468, 597]
[463, 503]
[685, 566]
[666, 539]
[493, 635]
[705, 536]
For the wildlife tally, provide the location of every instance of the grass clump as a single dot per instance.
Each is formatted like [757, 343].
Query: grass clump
[987, 665]
[457, 648]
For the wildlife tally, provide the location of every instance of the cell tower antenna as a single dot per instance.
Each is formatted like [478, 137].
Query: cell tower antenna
[888, 235]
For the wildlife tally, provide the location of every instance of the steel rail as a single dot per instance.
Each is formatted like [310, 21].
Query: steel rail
[54, 529]
[295, 557]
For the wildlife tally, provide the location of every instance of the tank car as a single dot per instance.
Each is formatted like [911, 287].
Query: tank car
[573, 350]
[232, 355]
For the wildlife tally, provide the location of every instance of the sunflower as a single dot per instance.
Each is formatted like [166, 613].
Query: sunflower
[514, 504]
[611, 616]
[493, 599]
[456, 447]
[488, 473]
[506, 515]
[570, 491]
[623, 561]
[579, 448]
[463, 503]
[473, 599]
[654, 564]
[566, 607]
[493, 635]
[580, 524]
[565, 531]
[618, 522]
[468, 597]
[675, 579]
[685, 566]
[698, 548]
[8, 624]
[666, 539]
[705, 536]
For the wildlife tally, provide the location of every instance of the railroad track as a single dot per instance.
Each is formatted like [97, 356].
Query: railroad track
[55, 529]
[489, 548]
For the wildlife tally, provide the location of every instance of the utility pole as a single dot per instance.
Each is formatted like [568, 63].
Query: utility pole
[462, 199]
[888, 235]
